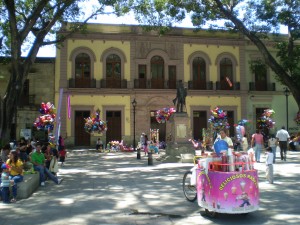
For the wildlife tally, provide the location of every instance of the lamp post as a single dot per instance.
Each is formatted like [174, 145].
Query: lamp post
[287, 93]
[138, 154]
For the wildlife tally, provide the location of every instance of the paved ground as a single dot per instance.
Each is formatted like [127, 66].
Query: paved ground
[116, 188]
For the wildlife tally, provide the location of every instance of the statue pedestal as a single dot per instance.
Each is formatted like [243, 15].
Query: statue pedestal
[180, 133]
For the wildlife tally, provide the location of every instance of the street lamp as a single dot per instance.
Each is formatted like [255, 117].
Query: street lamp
[138, 154]
[287, 93]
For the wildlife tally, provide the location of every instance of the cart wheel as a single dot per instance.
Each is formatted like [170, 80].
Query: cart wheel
[189, 190]
[211, 214]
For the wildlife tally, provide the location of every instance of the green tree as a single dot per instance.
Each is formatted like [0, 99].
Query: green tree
[257, 20]
[32, 24]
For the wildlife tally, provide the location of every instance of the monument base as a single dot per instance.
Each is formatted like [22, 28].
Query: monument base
[179, 144]
[179, 152]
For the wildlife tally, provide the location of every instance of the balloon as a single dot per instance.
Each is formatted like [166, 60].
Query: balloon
[219, 146]
[164, 114]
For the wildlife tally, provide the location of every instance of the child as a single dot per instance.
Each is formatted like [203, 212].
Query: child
[269, 165]
[62, 156]
[5, 183]
[99, 144]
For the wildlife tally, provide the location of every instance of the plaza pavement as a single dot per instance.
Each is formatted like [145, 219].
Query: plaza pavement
[118, 189]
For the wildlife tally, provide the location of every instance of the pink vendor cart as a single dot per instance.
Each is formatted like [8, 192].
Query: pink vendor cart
[223, 188]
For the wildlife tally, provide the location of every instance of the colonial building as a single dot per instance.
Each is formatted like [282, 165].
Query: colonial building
[109, 66]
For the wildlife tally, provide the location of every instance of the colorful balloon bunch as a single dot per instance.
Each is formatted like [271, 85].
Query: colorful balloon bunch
[218, 119]
[95, 124]
[240, 128]
[266, 121]
[297, 119]
[240, 132]
[164, 114]
[47, 119]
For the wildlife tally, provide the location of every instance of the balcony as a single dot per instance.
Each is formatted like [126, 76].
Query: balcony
[154, 84]
[192, 85]
[223, 85]
[82, 83]
[113, 83]
[259, 86]
[140, 83]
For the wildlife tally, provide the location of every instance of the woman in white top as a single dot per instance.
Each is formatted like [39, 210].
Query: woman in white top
[272, 143]
[245, 143]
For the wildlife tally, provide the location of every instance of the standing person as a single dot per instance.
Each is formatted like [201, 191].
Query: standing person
[62, 156]
[23, 148]
[146, 144]
[5, 183]
[16, 172]
[48, 154]
[4, 153]
[257, 142]
[142, 140]
[99, 144]
[269, 165]
[245, 143]
[38, 161]
[61, 142]
[197, 145]
[272, 144]
[283, 137]
[223, 136]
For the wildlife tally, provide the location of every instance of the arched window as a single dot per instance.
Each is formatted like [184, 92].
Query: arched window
[82, 71]
[113, 71]
[226, 74]
[260, 72]
[157, 72]
[199, 73]
[82, 66]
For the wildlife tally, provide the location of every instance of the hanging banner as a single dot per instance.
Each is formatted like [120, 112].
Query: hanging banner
[69, 107]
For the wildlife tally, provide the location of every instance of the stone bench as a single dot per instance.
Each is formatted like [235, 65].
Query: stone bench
[29, 185]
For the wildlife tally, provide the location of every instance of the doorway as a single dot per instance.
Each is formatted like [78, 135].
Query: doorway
[114, 126]
[264, 130]
[230, 120]
[154, 125]
[82, 138]
[199, 122]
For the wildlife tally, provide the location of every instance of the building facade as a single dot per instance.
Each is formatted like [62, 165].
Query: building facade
[109, 66]
[38, 88]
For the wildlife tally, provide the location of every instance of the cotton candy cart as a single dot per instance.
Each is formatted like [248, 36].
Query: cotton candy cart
[223, 187]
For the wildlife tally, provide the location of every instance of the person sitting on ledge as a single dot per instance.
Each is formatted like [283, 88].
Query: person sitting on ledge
[38, 161]
[16, 172]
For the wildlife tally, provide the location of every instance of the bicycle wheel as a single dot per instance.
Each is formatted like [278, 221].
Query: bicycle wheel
[189, 190]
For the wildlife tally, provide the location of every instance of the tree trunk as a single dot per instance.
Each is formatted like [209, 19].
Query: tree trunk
[7, 112]
[9, 103]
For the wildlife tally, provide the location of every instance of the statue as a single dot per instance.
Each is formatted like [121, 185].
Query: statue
[180, 97]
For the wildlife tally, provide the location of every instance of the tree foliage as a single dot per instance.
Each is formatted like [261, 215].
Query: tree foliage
[29, 25]
[258, 20]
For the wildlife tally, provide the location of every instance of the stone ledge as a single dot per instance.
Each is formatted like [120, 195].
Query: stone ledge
[187, 158]
[29, 185]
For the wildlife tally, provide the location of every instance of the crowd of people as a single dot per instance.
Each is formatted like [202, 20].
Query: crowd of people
[29, 155]
[150, 145]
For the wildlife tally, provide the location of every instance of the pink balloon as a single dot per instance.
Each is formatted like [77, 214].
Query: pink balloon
[243, 130]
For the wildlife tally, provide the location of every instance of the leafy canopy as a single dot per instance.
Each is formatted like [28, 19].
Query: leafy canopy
[258, 20]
